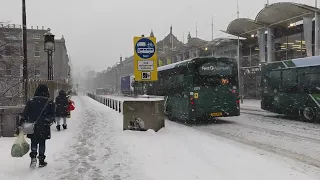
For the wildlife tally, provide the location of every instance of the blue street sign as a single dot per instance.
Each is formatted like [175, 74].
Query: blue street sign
[145, 48]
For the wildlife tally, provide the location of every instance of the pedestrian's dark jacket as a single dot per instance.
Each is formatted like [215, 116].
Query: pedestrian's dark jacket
[62, 104]
[32, 112]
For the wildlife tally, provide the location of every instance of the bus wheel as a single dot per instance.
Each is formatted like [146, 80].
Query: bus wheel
[308, 114]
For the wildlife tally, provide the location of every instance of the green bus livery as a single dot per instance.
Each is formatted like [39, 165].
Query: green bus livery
[292, 87]
[199, 88]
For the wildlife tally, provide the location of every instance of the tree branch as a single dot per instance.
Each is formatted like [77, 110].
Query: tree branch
[20, 81]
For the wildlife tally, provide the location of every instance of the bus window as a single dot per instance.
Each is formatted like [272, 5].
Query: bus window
[214, 80]
[289, 81]
[309, 80]
[274, 79]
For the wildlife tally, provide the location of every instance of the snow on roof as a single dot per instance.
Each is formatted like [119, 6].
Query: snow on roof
[308, 61]
[170, 66]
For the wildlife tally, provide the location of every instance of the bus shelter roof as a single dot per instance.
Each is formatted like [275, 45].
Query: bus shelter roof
[284, 13]
[243, 27]
[277, 14]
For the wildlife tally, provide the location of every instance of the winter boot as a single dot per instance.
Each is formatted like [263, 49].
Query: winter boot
[58, 127]
[33, 163]
[64, 126]
[42, 163]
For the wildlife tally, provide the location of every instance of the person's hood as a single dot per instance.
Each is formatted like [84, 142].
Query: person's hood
[62, 93]
[42, 90]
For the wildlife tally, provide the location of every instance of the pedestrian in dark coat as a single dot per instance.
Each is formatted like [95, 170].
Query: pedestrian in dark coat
[32, 112]
[62, 109]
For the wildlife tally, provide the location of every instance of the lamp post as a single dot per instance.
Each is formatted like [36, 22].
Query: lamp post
[49, 47]
[25, 49]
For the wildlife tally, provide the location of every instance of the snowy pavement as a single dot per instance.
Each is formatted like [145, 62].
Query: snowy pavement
[251, 104]
[95, 148]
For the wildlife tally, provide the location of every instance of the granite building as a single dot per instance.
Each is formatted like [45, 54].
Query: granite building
[11, 58]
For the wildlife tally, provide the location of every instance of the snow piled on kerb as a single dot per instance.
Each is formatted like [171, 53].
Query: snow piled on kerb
[95, 147]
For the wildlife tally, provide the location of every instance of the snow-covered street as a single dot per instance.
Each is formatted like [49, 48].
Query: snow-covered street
[95, 148]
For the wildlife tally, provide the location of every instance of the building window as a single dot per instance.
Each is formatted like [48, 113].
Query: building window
[8, 94]
[36, 50]
[21, 50]
[7, 35]
[37, 72]
[20, 35]
[9, 50]
[36, 36]
[8, 71]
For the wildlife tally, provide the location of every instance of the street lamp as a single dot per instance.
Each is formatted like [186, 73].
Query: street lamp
[49, 47]
[25, 50]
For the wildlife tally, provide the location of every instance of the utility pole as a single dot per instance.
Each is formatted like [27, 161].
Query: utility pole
[212, 29]
[25, 49]
[316, 32]
[238, 14]
[196, 29]
[183, 38]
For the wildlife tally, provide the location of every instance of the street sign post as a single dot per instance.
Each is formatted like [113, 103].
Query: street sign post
[145, 59]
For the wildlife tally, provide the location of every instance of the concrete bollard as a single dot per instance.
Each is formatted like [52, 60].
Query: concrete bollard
[117, 105]
[151, 113]
[9, 117]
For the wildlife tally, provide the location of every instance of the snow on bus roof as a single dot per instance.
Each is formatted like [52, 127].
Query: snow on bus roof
[170, 66]
[308, 61]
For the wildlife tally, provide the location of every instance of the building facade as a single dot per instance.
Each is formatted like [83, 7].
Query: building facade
[11, 58]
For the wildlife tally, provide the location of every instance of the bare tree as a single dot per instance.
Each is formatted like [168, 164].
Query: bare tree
[11, 56]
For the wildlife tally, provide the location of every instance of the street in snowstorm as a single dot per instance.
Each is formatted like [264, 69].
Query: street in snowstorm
[160, 90]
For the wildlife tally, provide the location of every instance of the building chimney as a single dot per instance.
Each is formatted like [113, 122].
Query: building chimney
[120, 59]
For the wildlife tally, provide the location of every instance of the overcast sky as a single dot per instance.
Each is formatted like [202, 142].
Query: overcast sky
[98, 31]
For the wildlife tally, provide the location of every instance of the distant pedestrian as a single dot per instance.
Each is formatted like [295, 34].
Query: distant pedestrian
[39, 110]
[71, 106]
[62, 104]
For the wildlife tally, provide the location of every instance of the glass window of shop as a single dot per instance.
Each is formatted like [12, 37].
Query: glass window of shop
[290, 47]
[250, 55]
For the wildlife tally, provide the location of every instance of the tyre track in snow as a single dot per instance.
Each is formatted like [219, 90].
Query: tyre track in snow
[277, 150]
[295, 140]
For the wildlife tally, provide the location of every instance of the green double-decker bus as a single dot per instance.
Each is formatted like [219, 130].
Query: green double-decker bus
[292, 87]
[199, 89]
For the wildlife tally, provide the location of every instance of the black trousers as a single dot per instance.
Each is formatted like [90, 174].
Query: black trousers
[34, 148]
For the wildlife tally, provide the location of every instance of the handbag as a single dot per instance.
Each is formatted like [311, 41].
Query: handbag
[27, 127]
[71, 106]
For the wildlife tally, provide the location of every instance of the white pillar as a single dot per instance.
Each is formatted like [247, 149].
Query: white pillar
[307, 33]
[270, 45]
[262, 45]
[316, 35]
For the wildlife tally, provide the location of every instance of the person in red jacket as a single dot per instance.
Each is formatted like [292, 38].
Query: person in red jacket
[71, 106]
